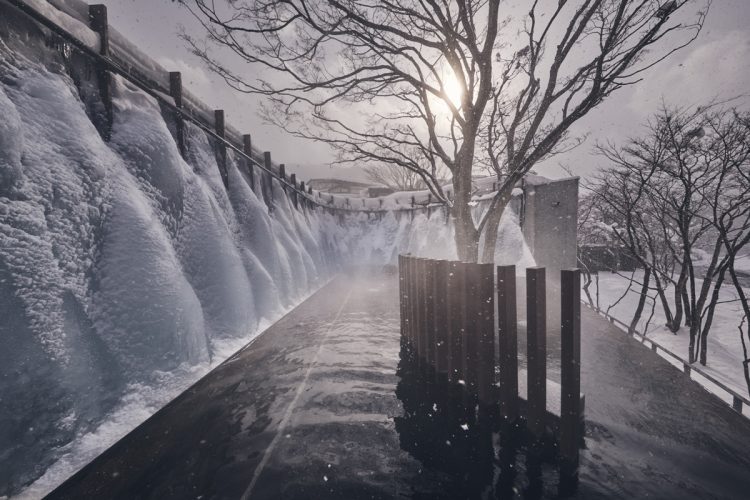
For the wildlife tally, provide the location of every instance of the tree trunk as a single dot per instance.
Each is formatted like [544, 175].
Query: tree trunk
[706, 328]
[466, 239]
[466, 235]
[492, 225]
[704, 347]
[664, 303]
[679, 287]
[641, 301]
[686, 306]
[586, 281]
[693, 354]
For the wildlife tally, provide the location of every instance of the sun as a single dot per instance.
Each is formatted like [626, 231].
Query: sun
[452, 89]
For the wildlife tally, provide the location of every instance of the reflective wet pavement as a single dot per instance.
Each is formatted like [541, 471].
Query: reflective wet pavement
[327, 403]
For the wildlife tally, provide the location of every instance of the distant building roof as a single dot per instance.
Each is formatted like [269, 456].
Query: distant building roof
[338, 186]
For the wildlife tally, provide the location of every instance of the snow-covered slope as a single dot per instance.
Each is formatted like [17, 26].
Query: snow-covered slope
[127, 272]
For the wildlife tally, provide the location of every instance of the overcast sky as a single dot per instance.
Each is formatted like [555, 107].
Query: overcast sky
[715, 65]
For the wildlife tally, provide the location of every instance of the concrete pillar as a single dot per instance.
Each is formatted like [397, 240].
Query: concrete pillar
[549, 220]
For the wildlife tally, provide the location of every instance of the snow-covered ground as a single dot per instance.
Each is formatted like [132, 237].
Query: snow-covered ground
[725, 354]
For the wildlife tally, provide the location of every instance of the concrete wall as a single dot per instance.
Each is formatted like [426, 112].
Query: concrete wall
[549, 219]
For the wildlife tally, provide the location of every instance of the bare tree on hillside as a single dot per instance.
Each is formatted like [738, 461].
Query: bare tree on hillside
[451, 81]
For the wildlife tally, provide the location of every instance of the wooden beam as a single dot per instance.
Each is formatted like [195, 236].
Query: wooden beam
[570, 372]
[536, 349]
[507, 329]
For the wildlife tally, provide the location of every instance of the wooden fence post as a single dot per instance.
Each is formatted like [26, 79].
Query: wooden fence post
[570, 372]
[470, 340]
[247, 148]
[267, 180]
[429, 312]
[293, 180]
[418, 307]
[221, 148]
[485, 300]
[99, 24]
[424, 322]
[507, 327]
[401, 295]
[175, 91]
[412, 292]
[536, 349]
[455, 320]
[442, 346]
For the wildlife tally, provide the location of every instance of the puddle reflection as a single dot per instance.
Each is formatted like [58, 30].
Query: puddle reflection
[450, 434]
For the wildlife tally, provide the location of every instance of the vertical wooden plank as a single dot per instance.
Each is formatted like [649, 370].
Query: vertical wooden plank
[456, 293]
[247, 148]
[429, 312]
[412, 304]
[442, 347]
[468, 328]
[401, 295]
[570, 372]
[221, 148]
[415, 306]
[470, 337]
[406, 290]
[536, 349]
[423, 337]
[419, 307]
[175, 91]
[407, 299]
[507, 329]
[486, 336]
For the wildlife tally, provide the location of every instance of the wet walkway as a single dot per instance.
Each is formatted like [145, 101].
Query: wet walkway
[325, 404]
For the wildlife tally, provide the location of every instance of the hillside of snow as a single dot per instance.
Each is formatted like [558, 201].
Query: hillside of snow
[127, 271]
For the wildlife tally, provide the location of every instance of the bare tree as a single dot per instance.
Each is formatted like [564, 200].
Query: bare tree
[392, 176]
[423, 84]
[681, 191]
[401, 179]
[619, 195]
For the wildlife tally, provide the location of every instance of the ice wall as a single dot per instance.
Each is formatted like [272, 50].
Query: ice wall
[128, 271]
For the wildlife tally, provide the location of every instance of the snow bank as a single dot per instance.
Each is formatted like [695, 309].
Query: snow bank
[725, 354]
